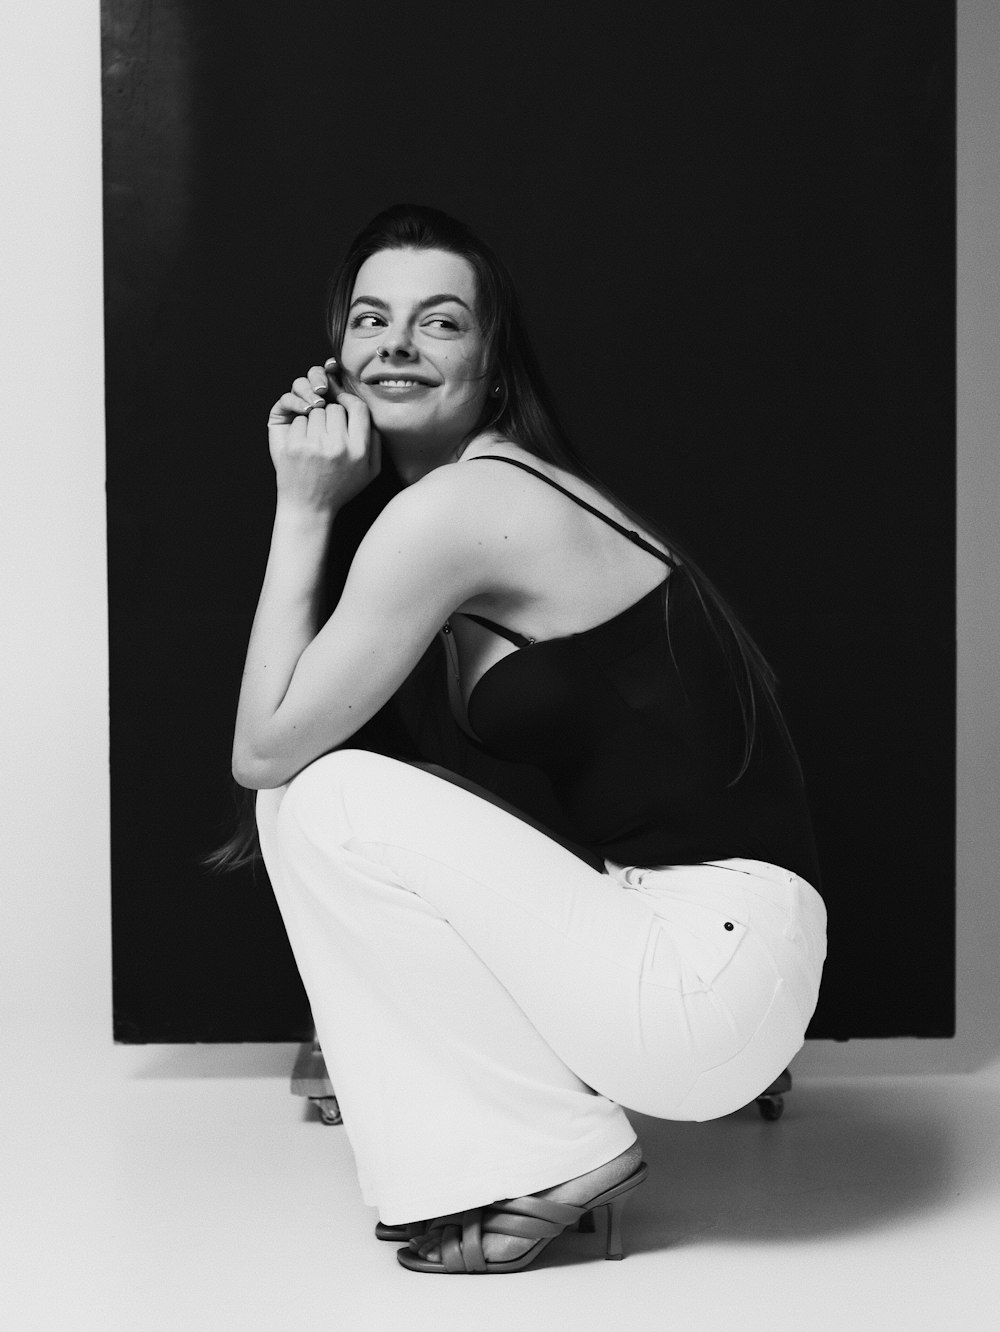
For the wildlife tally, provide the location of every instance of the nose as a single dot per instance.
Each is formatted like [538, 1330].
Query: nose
[396, 345]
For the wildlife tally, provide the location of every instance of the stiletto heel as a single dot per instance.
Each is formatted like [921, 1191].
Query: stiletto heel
[614, 1249]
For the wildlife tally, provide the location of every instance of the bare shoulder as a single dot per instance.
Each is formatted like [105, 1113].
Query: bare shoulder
[451, 518]
[482, 511]
[546, 499]
[456, 498]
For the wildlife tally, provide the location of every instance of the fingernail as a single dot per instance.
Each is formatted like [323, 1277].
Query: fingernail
[331, 364]
[317, 402]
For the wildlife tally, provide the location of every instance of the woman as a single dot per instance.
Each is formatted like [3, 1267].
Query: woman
[487, 996]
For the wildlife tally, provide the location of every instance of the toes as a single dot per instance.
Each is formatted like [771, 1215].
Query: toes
[430, 1231]
[427, 1245]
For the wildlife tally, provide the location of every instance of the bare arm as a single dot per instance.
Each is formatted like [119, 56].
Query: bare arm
[307, 689]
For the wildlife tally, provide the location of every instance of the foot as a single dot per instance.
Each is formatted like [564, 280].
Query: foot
[505, 1248]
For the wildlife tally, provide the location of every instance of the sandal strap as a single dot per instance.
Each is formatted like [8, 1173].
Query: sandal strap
[461, 1237]
[531, 1218]
[462, 1245]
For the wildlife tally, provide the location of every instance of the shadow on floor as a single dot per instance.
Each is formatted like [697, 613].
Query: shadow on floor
[844, 1159]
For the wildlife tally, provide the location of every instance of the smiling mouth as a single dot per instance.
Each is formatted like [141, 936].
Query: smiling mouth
[386, 382]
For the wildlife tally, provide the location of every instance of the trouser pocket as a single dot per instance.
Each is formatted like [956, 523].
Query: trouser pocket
[694, 935]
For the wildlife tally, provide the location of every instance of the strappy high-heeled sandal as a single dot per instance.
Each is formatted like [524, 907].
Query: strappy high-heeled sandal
[531, 1217]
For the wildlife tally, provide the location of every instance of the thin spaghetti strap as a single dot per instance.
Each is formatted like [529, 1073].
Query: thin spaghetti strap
[519, 640]
[632, 535]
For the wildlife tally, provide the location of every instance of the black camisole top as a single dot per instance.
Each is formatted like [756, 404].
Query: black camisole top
[638, 727]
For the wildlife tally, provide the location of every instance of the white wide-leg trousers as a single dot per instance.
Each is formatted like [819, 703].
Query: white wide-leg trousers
[487, 1002]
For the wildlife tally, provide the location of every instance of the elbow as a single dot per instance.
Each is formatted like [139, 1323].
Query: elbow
[244, 775]
[264, 767]
[258, 772]
[254, 773]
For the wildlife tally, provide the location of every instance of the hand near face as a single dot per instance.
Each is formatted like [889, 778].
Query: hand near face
[324, 452]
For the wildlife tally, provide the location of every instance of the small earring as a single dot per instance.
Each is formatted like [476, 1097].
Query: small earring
[495, 390]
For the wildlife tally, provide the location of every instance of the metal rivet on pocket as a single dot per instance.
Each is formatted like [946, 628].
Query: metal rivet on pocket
[730, 925]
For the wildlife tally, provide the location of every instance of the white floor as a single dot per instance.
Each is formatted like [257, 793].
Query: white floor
[165, 1187]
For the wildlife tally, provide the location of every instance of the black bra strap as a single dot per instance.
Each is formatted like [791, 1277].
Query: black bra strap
[633, 536]
[520, 640]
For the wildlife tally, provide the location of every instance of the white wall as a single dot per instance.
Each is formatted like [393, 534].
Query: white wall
[54, 896]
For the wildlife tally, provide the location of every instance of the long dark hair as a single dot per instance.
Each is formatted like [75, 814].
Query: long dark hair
[522, 411]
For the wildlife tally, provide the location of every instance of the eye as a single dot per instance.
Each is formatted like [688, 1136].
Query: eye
[368, 320]
[442, 324]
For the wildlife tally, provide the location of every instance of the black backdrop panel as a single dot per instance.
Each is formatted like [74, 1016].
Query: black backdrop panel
[733, 228]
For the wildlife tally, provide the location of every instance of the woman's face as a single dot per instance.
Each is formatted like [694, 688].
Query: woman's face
[413, 349]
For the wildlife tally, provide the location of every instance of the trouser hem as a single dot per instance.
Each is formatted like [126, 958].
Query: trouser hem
[511, 1181]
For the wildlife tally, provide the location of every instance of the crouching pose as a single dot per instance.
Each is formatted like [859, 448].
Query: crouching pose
[489, 996]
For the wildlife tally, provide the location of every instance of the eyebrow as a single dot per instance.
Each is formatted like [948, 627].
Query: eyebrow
[439, 299]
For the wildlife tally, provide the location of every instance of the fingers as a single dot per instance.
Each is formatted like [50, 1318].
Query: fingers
[313, 389]
[326, 429]
[325, 378]
[287, 408]
[309, 389]
[359, 424]
[318, 430]
[321, 439]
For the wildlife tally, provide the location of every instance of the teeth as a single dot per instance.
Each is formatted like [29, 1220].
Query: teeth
[397, 383]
